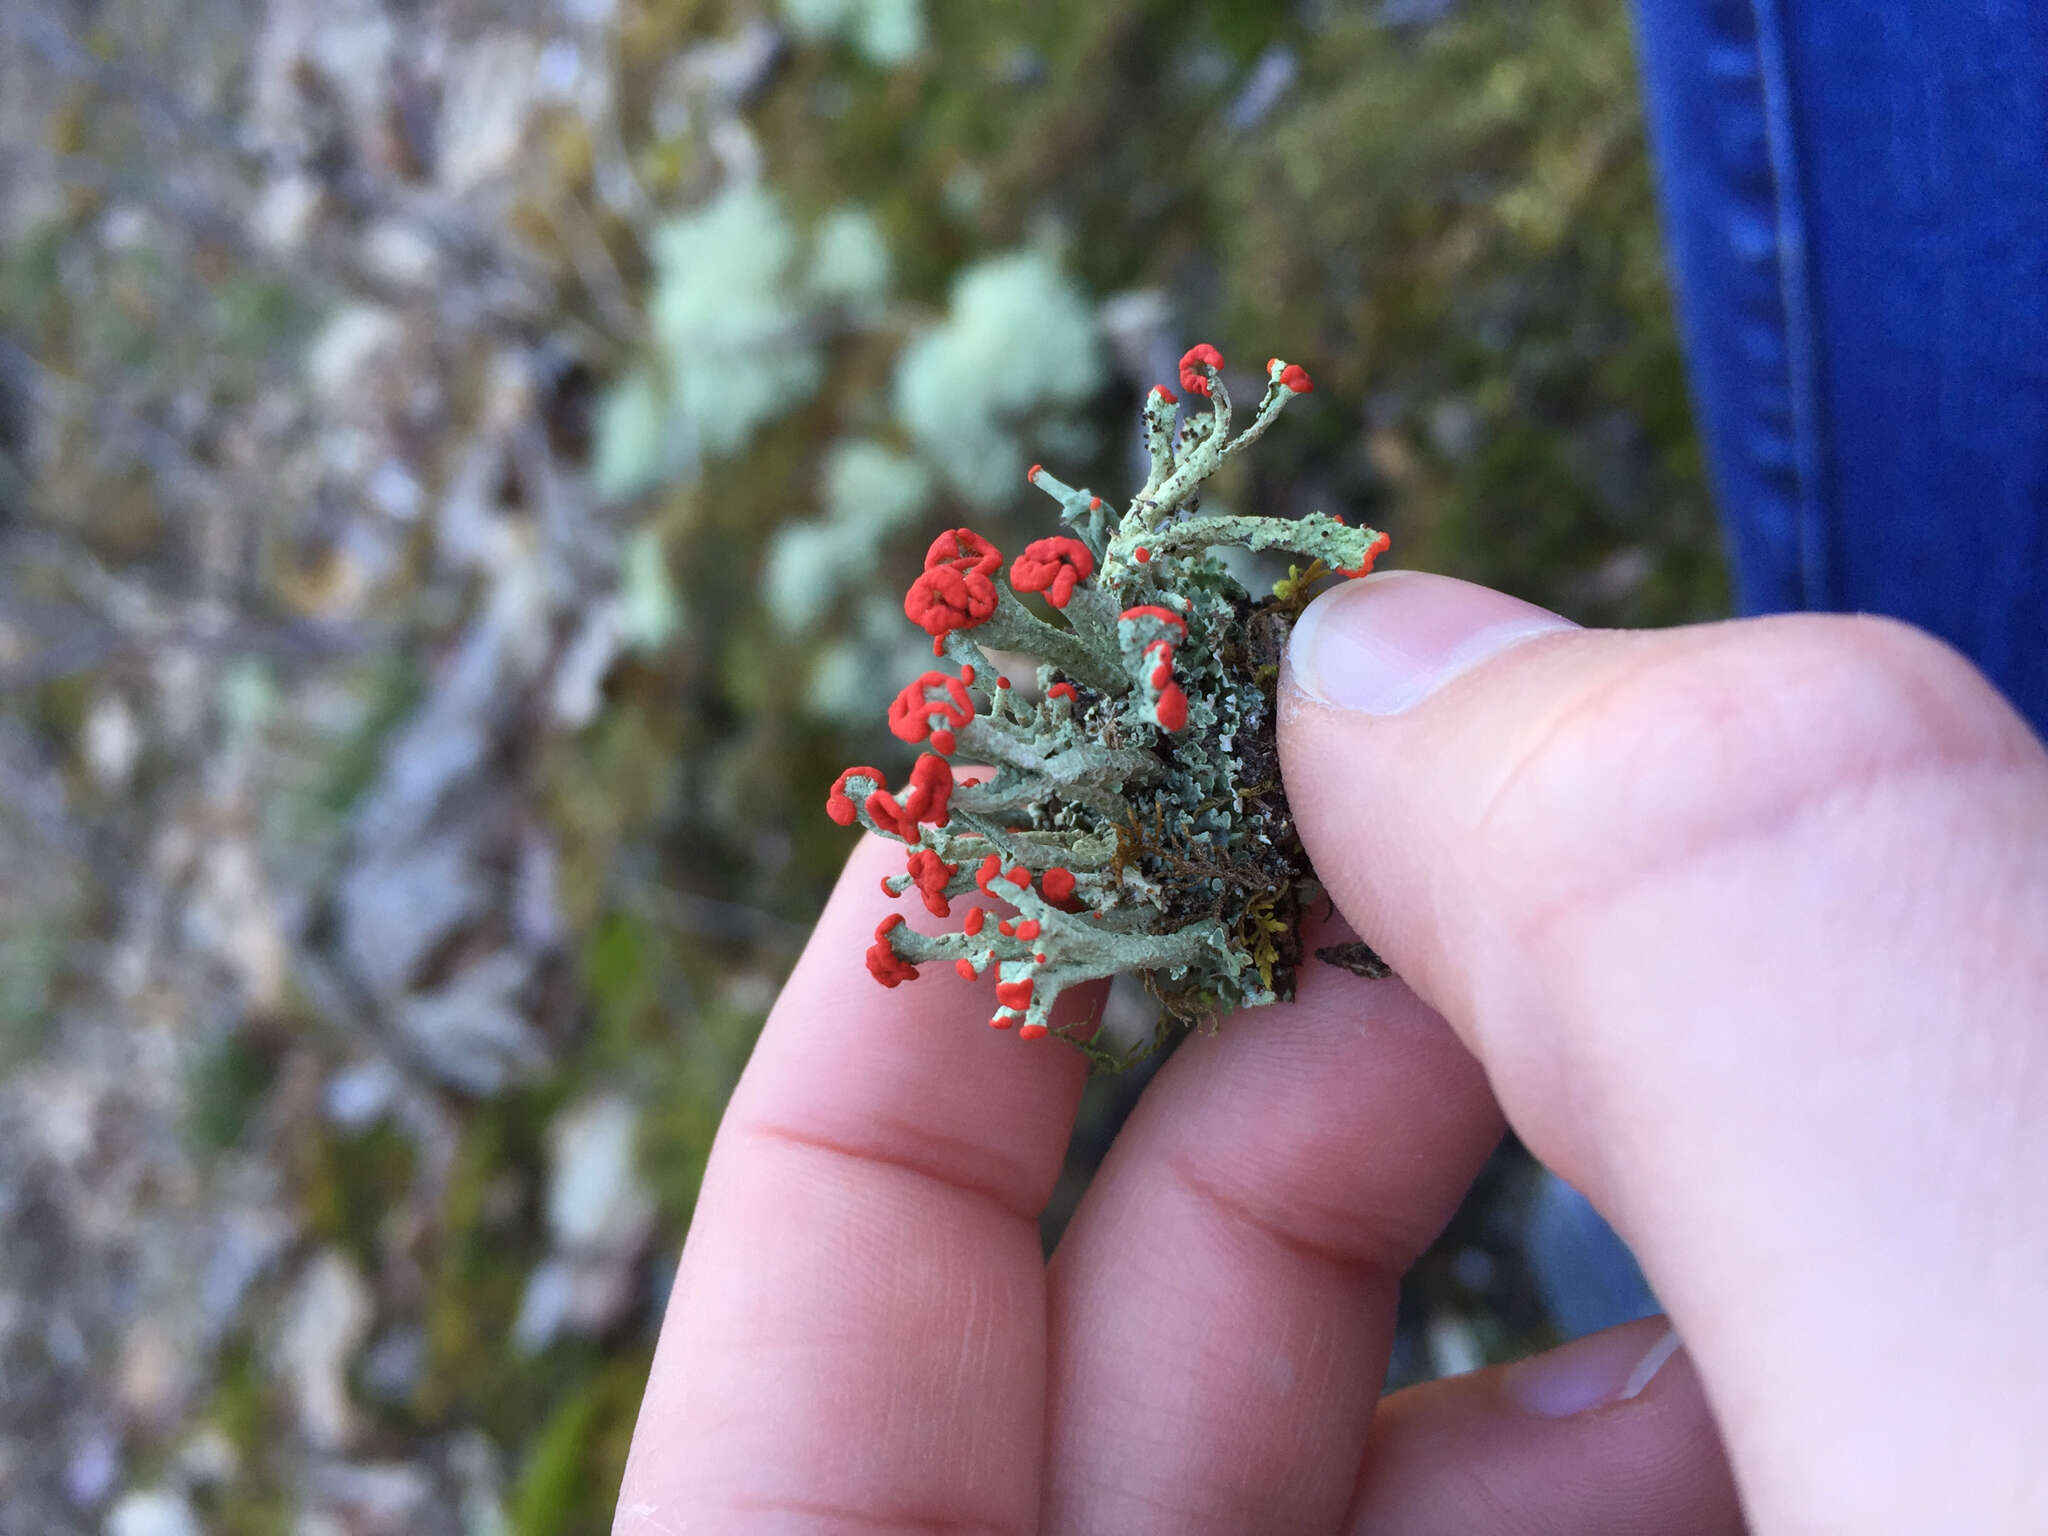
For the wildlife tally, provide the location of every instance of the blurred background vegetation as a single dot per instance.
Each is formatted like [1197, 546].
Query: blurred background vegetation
[459, 462]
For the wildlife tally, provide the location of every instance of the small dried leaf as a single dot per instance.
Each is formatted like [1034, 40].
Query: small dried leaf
[1358, 958]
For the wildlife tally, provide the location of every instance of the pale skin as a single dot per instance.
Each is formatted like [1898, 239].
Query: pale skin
[1744, 929]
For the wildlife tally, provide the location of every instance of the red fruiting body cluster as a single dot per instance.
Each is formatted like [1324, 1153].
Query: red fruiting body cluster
[924, 799]
[1167, 395]
[1012, 998]
[1017, 875]
[1170, 709]
[945, 599]
[884, 964]
[1057, 884]
[1052, 566]
[1170, 700]
[1295, 377]
[955, 591]
[964, 550]
[929, 873]
[1162, 672]
[934, 696]
[1373, 551]
[1192, 379]
[1063, 691]
[838, 804]
[1154, 611]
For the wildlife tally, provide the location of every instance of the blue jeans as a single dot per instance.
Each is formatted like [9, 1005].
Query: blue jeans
[1855, 200]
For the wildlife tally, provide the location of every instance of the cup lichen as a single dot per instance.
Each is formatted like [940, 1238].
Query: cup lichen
[1133, 815]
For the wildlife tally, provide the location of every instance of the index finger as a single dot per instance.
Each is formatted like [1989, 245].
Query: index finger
[857, 1329]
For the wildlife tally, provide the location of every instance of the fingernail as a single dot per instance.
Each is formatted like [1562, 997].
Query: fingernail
[1385, 643]
[1594, 1372]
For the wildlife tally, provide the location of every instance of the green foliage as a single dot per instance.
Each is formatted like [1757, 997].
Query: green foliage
[867, 485]
[687, 1098]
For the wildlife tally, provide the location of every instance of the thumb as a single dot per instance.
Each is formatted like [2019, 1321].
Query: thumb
[1745, 922]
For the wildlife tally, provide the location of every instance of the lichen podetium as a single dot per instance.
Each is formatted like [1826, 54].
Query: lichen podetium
[1134, 818]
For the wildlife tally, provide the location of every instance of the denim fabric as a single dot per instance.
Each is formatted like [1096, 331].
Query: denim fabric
[1855, 199]
[1583, 1271]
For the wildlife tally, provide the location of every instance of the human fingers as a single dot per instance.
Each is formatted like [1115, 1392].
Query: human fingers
[1223, 1301]
[1606, 1436]
[856, 1335]
[1749, 924]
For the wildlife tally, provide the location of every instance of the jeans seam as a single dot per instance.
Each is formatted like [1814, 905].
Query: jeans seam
[1802, 355]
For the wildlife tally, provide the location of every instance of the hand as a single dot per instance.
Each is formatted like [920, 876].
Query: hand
[1744, 926]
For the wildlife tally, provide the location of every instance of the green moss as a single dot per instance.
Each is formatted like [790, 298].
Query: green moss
[225, 1084]
[29, 274]
[246, 1407]
[62, 703]
[607, 784]
[348, 1184]
[244, 1401]
[257, 315]
[620, 980]
[490, 1240]
[394, 689]
[683, 1110]
[656, 1012]
[568, 1483]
